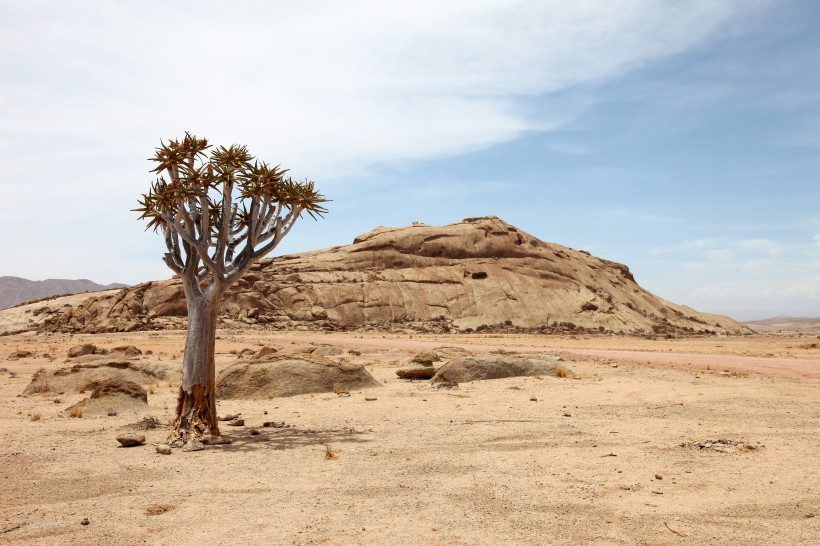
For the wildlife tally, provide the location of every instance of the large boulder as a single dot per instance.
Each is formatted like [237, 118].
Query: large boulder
[498, 366]
[290, 375]
[88, 376]
[112, 397]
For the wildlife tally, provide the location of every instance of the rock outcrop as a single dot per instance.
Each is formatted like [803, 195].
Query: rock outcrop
[290, 375]
[475, 275]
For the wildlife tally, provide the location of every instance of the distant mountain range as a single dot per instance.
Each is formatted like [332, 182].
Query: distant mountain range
[785, 324]
[16, 290]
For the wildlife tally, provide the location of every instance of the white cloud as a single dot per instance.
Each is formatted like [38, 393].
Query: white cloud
[320, 84]
[326, 88]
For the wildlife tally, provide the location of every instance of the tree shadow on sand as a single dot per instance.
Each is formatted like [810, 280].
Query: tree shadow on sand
[279, 439]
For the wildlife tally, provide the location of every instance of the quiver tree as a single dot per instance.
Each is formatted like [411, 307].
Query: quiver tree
[219, 213]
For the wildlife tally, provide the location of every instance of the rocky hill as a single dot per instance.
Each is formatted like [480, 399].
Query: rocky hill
[16, 290]
[480, 274]
[782, 324]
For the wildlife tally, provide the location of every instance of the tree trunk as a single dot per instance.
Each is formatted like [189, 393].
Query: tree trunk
[196, 404]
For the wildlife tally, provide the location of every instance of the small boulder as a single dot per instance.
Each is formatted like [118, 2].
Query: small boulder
[417, 373]
[327, 350]
[261, 353]
[131, 439]
[163, 449]
[290, 375]
[426, 358]
[113, 387]
[127, 351]
[496, 366]
[82, 350]
[17, 355]
[216, 440]
[193, 445]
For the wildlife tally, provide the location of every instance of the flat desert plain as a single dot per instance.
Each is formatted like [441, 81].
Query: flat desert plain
[655, 441]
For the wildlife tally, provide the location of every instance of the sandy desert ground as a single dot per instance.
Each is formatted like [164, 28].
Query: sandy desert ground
[657, 441]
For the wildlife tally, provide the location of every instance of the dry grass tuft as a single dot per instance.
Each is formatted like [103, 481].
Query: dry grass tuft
[157, 509]
[76, 411]
[151, 389]
[36, 416]
[81, 388]
[561, 371]
[329, 454]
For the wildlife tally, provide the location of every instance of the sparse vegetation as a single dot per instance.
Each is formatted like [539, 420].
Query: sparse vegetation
[36, 415]
[76, 411]
[329, 453]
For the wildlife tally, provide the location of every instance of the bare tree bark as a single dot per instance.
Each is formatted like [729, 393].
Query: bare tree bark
[196, 402]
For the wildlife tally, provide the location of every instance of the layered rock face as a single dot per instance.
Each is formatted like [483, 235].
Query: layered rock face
[477, 274]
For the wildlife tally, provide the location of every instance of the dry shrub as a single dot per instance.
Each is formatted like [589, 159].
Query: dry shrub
[561, 371]
[81, 388]
[157, 509]
[151, 389]
[36, 416]
[76, 411]
[329, 454]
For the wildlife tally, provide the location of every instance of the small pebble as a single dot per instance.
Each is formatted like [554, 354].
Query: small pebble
[163, 449]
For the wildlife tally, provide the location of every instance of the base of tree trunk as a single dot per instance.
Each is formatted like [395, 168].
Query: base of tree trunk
[196, 415]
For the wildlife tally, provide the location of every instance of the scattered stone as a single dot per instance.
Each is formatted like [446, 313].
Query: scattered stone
[370, 399]
[446, 385]
[130, 439]
[229, 417]
[193, 445]
[163, 449]
[236, 423]
[567, 415]
[533, 399]
[85, 521]
[658, 477]
[722, 445]
[417, 373]
[274, 424]
[254, 432]
[216, 440]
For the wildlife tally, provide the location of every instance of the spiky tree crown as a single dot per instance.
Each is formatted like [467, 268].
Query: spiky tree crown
[209, 204]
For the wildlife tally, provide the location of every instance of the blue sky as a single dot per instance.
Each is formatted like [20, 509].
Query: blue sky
[680, 138]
